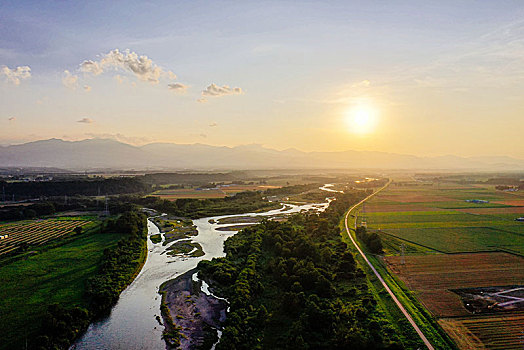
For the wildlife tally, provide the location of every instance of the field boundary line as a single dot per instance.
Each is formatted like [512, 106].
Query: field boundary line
[384, 284]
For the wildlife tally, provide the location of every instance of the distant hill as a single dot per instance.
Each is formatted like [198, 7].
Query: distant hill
[111, 154]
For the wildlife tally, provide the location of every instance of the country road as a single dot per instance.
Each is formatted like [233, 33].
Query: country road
[400, 306]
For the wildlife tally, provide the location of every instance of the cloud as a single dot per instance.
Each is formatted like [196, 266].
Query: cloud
[213, 124]
[11, 119]
[214, 90]
[86, 121]
[122, 138]
[360, 84]
[15, 75]
[87, 88]
[141, 66]
[177, 87]
[69, 80]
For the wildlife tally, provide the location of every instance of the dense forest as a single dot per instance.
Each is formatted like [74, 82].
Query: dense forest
[118, 268]
[295, 285]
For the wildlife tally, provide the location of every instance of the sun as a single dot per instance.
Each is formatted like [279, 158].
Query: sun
[362, 118]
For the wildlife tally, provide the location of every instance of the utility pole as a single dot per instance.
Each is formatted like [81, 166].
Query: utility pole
[402, 252]
[106, 211]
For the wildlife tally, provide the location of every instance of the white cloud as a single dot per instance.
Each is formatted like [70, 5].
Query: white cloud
[15, 75]
[213, 124]
[86, 120]
[122, 138]
[11, 119]
[69, 80]
[177, 87]
[214, 90]
[360, 84]
[87, 88]
[141, 66]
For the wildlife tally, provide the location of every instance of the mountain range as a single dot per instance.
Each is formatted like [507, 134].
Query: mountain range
[111, 154]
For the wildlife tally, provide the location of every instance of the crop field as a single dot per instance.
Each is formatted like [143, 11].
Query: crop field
[495, 332]
[202, 193]
[455, 237]
[55, 275]
[439, 218]
[189, 193]
[36, 232]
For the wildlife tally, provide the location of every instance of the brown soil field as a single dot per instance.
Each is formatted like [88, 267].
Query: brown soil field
[247, 187]
[379, 208]
[415, 198]
[493, 332]
[515, 202]
[203, 195]
[432, 277]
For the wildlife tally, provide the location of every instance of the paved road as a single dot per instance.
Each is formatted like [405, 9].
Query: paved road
[400, 306]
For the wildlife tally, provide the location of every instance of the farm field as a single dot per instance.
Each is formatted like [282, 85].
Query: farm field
[455, 237]
[433, 277]
[439, 218]
[202, 193]
[495, 332]
[37, 232]
[54, 275]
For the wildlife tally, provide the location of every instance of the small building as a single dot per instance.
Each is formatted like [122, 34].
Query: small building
[478, 201]
[520, 219]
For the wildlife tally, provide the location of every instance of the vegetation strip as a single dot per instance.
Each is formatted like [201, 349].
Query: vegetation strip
[401, 307]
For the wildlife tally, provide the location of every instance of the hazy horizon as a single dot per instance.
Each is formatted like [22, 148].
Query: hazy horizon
[443, 78]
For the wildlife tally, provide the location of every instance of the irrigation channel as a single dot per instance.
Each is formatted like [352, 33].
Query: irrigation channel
[133, 322]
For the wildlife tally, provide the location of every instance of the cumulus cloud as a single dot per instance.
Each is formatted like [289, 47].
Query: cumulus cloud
[214, 90]
[87, 88]
[69, 80]
[141, 66]
[177, 87]
[11, 119]
[86, 120]
[15, 75]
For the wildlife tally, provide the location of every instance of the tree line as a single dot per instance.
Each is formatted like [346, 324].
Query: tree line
[85, 187]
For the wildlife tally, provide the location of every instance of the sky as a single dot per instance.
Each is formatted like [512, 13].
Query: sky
[424, 78]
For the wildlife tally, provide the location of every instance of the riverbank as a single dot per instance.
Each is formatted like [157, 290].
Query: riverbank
[142, 298]
[196, 315]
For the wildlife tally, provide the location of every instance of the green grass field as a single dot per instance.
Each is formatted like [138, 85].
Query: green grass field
[56, 275]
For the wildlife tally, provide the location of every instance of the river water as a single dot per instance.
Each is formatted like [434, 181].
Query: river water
[132, 323]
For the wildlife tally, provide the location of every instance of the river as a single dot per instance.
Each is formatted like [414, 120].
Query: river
[132, 323]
